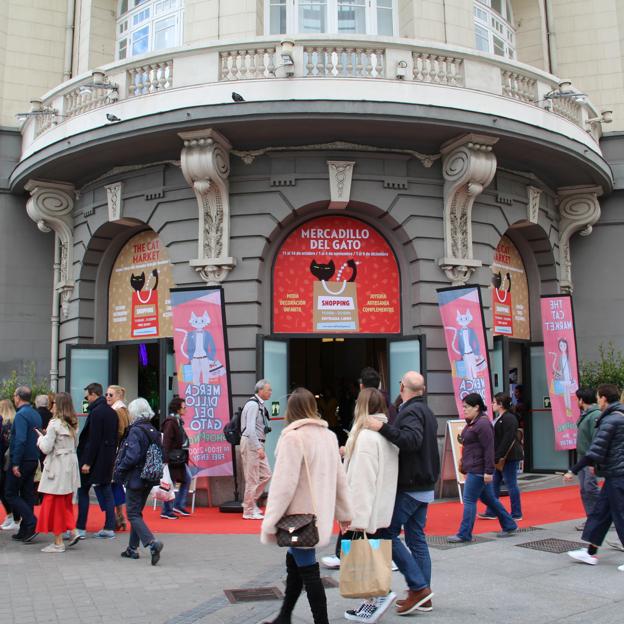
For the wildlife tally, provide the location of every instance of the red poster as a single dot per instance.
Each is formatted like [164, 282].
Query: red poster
[203, 380]
[462, 319]
[561, 367]
[336, 275]
[144, 313]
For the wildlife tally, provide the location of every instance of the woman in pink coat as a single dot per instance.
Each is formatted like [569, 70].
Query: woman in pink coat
[306, 436]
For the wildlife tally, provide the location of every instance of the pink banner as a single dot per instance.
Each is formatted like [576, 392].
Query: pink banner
[462, 319]
[561, 367]
[203, 377]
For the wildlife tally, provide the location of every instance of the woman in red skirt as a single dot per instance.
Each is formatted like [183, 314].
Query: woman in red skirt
[60, 477]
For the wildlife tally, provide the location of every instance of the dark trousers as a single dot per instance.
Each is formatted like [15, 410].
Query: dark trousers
[104, 494]
[135, 502]
[3, 500]
[609, 508]
[20, 493]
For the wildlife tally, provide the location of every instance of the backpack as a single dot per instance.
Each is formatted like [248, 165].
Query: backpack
[232, 431]
[153, 466]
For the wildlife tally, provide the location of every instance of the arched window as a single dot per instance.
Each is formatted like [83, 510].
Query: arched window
[494, 30]
[147, 26]
[357, 17]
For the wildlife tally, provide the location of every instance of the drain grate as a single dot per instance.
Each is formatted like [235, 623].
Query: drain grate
[528, 529]
[440, 542]
[253, 594]
[533, 477]
[552, 545]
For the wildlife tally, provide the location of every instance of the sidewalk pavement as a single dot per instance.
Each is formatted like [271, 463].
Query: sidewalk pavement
[486, 582]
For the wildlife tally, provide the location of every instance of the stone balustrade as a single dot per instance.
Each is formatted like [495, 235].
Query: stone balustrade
[321, 57]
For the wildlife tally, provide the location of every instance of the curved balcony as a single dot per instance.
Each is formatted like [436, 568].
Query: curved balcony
[433, 84]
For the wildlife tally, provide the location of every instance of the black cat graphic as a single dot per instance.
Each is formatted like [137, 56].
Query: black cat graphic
[497, 281]
[138, 281]
[324, 272]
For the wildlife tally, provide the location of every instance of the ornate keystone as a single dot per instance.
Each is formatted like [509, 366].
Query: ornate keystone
[340, 176]
[534, 194]
[206, 166]
[114, 201]
[579, 210]
[50, 206]
[468, 166]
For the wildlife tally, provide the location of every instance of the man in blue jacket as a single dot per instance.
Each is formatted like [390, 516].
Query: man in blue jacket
[23, 459]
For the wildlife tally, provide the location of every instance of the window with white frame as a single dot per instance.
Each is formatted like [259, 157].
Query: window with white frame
[147, 26]
[494, 30]
[357, 17]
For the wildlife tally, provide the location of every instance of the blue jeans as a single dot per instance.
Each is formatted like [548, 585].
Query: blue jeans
[412, 558]
[179, 502]
[303, 557]
[476, 489]
[589, 489]
[104, 495]
[510, 476]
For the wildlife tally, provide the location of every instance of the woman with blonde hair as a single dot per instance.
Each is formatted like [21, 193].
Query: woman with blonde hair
[60, 477]
[308, 479]
[372, 464]
[7, 412]
[115, 397]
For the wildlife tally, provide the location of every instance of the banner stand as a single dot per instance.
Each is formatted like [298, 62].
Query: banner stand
[450, 458]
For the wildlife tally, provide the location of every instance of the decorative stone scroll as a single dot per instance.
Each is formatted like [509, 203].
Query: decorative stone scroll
[579, 210]
[115, 201]
[468, 166]
[206, 166]
[50, 206]
[340, 176]
[533, 206]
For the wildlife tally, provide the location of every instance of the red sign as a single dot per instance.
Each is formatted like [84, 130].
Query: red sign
[144, 313]
[336, 275]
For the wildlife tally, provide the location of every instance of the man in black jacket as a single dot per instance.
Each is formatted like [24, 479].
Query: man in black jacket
[415, 433]
[606, 455]
[97, 446]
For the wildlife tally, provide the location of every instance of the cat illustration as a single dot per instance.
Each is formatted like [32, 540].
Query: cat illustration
[497, 282]
[322, 272]
[202, 350]
[137, 282]
[466, 344]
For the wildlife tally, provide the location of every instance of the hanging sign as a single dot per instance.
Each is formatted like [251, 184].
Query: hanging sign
[510, 293]
[201, 354]
[336, 274]
[561, 367]
[464, 331]
[139, 306]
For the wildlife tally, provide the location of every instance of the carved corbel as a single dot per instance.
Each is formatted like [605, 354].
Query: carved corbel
[468, 166]
[50, 206]
[579, 210]
[206, 166]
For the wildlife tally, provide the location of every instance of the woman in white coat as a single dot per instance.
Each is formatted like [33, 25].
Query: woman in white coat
[372, 464]
[306, 439]
[60, 477]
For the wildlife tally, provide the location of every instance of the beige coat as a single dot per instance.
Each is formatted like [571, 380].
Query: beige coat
[372, 475]
[290, 489]
[60, 469]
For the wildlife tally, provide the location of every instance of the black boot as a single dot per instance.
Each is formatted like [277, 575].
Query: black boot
[294, 585]
[311, 576]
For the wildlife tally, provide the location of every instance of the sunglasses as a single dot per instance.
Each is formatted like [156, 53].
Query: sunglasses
[110, 395]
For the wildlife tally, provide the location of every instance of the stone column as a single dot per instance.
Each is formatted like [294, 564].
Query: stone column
[206, 166]
[579, 210]
[468, 166]
[50, 206]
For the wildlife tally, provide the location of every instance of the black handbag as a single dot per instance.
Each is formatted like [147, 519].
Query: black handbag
[177, 456]
[299, 530]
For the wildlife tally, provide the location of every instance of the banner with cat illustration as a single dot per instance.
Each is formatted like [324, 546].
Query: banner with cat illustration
[466, 344]
[333, 275]
[561, 367]
[139, 305]
[201, 355]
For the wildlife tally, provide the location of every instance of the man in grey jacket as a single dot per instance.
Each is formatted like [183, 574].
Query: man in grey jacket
[254, 427]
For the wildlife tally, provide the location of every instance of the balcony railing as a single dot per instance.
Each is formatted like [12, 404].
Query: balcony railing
[316, 58]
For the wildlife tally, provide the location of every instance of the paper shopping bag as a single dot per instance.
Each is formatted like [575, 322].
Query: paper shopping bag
[335, 306]
[365, 568]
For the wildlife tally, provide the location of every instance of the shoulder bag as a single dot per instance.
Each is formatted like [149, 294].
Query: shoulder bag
[299, 530]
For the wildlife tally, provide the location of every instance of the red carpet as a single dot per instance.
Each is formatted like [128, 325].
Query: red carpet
[538, 507]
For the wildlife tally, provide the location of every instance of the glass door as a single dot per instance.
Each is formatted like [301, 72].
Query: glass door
[273, 366]
[499, 364]
[169, 378]
[404, 354]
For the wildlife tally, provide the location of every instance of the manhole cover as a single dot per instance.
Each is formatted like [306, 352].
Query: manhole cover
[253, 594]
[440, 542]
[552, 545]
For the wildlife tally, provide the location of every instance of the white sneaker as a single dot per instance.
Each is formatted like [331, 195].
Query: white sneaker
[621, 568]
[371, 610]
[253, 516]
[617, 545]
[331, 561]
[395, 567]
[583, 556]
[53, 548]
[8, 523]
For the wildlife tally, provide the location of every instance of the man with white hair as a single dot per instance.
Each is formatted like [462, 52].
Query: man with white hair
[254, 428]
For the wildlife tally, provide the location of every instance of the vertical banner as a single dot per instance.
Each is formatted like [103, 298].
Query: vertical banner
[464, 331]
[561, 367]
[201, 354]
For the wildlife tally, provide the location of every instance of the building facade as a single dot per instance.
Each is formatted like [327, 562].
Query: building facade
[465, 136]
